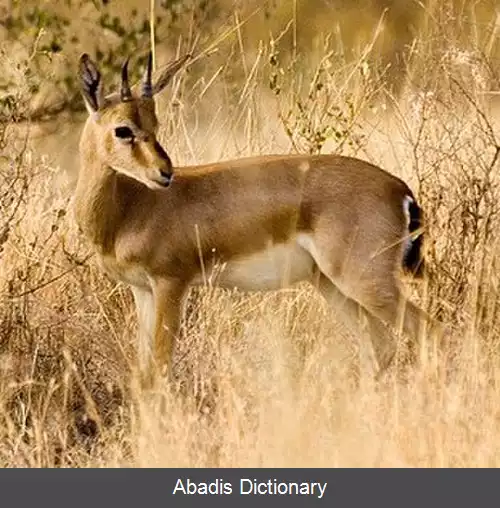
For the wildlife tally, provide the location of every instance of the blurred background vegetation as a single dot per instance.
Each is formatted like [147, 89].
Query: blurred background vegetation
[51, 35]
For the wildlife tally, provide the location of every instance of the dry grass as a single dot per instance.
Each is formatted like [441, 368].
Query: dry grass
[265, 379]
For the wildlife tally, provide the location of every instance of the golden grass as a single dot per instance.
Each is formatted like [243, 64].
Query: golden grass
[263, 379]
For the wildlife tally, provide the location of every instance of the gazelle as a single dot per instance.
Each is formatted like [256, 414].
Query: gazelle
[339, 222]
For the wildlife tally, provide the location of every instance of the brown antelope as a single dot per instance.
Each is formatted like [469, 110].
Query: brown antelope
[269, 221]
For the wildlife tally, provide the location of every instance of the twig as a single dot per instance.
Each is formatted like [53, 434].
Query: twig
[51, 281]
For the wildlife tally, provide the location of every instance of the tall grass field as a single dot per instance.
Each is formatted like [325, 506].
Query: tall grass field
[262, 379]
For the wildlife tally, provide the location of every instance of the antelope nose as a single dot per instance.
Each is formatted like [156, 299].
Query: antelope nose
[166, 177]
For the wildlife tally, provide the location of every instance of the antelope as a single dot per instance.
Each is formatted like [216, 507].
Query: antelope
[345, 225]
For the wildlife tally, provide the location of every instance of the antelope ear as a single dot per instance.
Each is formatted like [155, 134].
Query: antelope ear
[90, 84]
[162, 77]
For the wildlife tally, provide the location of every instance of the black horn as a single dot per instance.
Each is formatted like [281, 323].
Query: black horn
[125, 92]
[147, 87]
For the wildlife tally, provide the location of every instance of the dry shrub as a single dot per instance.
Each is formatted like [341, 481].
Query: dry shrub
[62, 354]
[64, 371]
[451, 150]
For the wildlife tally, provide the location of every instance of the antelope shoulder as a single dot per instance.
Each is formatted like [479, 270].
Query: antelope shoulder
[128, 273]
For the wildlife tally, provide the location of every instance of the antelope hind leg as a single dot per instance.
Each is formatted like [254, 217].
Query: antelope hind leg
[383, 340]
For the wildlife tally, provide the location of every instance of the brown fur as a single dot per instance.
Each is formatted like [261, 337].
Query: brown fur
[334, 220]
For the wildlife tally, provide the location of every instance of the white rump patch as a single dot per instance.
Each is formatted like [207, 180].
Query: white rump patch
[407, 201]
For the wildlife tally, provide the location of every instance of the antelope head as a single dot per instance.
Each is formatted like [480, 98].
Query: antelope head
[121, 129]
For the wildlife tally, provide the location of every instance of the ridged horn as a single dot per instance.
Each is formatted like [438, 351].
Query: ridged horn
[147, 86]
[125, 92]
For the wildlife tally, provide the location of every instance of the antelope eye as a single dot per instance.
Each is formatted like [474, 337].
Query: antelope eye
[124, 133]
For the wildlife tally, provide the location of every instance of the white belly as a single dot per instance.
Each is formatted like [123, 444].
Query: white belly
[276, 267]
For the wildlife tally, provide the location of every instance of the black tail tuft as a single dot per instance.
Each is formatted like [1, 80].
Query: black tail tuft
[413, 261]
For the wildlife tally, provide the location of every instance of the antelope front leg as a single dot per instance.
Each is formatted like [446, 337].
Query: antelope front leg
[145, 313]
[169, 295]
